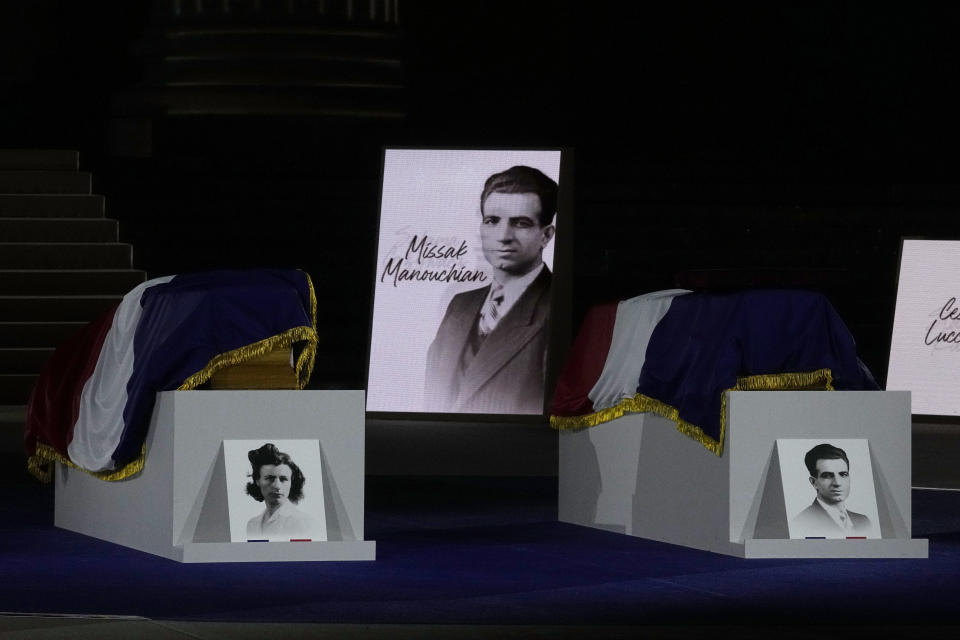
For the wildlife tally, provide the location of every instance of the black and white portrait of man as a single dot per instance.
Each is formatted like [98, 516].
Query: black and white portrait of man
[490, 350]
[829, 470]
[836, 498]
[464, 280]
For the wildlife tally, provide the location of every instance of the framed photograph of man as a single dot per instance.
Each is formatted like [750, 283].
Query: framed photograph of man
[828, 488]
[275, 490]
[465, 267]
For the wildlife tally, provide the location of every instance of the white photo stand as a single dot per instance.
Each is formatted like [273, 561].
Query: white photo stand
[177, 506]
[639, 476]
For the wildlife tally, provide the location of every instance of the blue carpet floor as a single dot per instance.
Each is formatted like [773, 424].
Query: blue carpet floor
[478, 551]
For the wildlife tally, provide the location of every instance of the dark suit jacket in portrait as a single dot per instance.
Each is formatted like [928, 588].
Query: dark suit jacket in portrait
[506, 375]
[815, 521]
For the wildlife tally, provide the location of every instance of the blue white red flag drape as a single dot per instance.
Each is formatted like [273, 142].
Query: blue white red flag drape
[675, 353]
[91, 406]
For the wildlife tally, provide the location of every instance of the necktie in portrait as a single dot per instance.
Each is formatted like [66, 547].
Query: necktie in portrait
[490, 314]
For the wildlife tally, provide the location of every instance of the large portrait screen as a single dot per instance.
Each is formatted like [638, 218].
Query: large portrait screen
[925, 346]
[463, 281]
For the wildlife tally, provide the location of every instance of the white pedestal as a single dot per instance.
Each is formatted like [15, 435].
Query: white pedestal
[639, 476]
[177, 507]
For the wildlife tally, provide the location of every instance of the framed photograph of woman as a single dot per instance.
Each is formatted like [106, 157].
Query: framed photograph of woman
[275, 490]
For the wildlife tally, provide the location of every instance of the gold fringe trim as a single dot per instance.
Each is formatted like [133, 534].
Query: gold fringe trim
[308, 356]
[639, 404]
[313, 300]
[576, 423]
[821, 379]
[40, 463]
[257, 349]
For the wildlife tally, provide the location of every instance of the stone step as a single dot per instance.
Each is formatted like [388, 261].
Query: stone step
[13, 420]
[15, 388]
[36, 334]
[365, 101]
[284, 69]
[346, 13]
[69, 281]
[65, 255]
[45, 159]
[52, 206]
[225, 40]
[54, 308]
[24, 359]
[45, 182]
[58, 230]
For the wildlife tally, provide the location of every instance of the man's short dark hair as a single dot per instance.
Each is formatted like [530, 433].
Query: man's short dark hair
[823, 452]
[269, 454]
[523, 179]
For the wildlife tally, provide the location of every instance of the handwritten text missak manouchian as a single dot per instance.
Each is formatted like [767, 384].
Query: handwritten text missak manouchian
[948, 313]
[423, 250]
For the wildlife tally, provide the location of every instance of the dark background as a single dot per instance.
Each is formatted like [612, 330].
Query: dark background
[775, 144]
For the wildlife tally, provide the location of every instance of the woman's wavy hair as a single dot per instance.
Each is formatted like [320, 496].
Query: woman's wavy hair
[269, 454]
